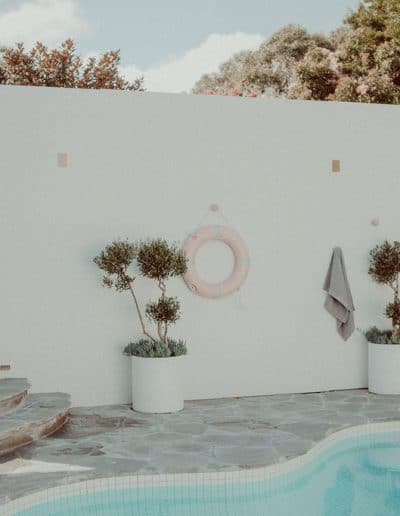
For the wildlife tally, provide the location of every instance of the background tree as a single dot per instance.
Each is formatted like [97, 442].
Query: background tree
[317, 76]
[271, 69]
[358, 62]
[62, 68]
[369, 54]
[229, 80]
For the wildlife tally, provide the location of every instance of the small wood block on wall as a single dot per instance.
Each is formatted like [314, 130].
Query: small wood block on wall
[62, 159]
[5, 367]
[336, 165]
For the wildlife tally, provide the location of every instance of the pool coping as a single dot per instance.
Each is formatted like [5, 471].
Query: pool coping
[200, 478]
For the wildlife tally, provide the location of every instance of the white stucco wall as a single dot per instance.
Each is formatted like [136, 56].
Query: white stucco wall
[150, 165]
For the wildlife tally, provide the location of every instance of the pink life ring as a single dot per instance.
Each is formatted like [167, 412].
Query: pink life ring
[240, 269]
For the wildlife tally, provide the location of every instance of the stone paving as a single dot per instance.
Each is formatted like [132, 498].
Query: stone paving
[221, 434]
[13, 391]
[38, 416]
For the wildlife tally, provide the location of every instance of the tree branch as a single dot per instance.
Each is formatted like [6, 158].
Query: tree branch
[160, 333]
[163, 334]
[144, 331]
[162, 287]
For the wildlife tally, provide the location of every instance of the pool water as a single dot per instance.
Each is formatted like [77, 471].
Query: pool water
[358, 476]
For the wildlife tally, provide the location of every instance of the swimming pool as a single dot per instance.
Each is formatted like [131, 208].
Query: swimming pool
[354, 472]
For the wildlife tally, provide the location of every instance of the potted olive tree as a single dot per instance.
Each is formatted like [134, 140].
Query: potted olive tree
[384, 345]
[156, 358]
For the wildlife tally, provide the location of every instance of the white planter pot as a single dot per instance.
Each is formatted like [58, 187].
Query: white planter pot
[384, 368]
[157, 384]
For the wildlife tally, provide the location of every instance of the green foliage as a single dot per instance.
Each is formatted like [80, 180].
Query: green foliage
[149, 349]
[393, 312]
[347, 90]
[316, 75]
[384, 268]
[177, 347]
[159, 260]
[270, 69]
[114, 261]
[381, 16]
[378, 88]
[377, 336]
[385, 263]
[280, 54]
[164, 310]
[358, 62]
[369, 54]
[62, 67]
[357, 53]
[239, 70]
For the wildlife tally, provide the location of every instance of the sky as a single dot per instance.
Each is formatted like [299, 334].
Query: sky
[171, 42]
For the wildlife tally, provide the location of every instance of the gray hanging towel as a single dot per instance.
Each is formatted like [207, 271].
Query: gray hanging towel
[339, 301]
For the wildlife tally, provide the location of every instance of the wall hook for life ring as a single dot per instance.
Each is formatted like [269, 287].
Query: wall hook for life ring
[241, 256]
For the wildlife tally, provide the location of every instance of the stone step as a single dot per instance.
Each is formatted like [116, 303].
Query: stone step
[40, 416]
[13, 392]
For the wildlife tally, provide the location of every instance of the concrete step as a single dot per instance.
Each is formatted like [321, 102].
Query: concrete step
[40, 416]
[13, 392]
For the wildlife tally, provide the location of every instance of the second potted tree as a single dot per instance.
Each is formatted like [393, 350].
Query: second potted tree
[384, 345]
[156, 358]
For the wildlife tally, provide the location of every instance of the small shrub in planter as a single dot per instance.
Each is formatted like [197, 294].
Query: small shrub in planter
[148, 349]
[377, 336]
[383, 345]
[159, 261]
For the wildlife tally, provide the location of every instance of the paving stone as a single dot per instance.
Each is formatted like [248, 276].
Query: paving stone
[12, 386]
[187, 428]
[179, 462]
[312, 430]
[225, 439]
[40, 416]
[246, 456]
[13, 392]
[291, 448]
[165, 438]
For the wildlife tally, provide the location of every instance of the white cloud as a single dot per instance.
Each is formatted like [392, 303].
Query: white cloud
[48, 21]
[180, 74]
